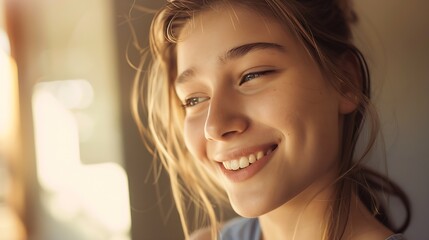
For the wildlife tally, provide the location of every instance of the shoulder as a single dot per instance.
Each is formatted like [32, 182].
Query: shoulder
[243, 228]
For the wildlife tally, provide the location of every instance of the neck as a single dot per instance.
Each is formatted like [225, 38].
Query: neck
[300, 218]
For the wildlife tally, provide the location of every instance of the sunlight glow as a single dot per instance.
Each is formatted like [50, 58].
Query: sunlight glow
[4, 42]
[10, 224]
[99, 192]
[8, 91]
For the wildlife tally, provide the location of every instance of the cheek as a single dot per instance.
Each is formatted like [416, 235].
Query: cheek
[309, 121]
[194, 137]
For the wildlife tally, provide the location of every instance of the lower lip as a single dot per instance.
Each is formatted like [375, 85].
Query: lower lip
[248, 172]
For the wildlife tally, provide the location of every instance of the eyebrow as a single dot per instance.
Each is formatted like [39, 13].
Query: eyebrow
[242, 50]
[234, 53]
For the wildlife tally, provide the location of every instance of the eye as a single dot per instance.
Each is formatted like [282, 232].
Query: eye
[250, 76]
[193, 101]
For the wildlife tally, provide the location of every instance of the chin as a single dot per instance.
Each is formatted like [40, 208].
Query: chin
[253, 208]
[248, 213]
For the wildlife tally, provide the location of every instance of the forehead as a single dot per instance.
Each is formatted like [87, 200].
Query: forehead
[221, 28]
[230, 17]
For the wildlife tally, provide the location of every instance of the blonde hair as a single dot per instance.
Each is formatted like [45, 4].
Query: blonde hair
[323, 27]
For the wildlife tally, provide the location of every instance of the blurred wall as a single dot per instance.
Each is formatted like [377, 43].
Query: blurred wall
[394, 36]
[75, 184]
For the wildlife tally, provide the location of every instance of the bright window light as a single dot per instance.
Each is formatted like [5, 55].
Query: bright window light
[4, 42]
[8, 90]
[75, 193]
[10, 224]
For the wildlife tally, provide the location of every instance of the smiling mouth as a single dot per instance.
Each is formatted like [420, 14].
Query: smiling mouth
[245, 161]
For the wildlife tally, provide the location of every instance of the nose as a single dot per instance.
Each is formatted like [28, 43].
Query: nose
[225, 119]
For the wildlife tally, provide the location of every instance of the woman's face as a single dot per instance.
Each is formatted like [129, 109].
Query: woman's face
[259, 113]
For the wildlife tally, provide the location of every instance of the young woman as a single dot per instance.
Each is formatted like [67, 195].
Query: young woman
[260, 103]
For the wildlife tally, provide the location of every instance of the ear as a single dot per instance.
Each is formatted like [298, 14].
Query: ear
[349, 99]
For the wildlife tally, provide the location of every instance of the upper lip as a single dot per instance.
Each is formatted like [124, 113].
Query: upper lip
[237, 153]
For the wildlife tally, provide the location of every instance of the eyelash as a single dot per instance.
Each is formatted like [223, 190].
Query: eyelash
[193, 101]
[245, 78]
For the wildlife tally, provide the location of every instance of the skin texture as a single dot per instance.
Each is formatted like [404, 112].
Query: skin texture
[265, 97]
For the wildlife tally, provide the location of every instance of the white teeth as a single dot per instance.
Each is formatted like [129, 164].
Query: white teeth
[252, 158]
[244, 162]
[227, 164]
[235, 165]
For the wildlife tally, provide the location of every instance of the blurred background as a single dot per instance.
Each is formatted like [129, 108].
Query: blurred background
[72, 165]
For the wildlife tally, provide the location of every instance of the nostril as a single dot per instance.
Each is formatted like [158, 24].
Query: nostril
[222, 128]
[229, 133]
[224, 120]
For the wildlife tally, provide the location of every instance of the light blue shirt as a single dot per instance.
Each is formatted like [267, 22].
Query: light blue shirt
[248, 229]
